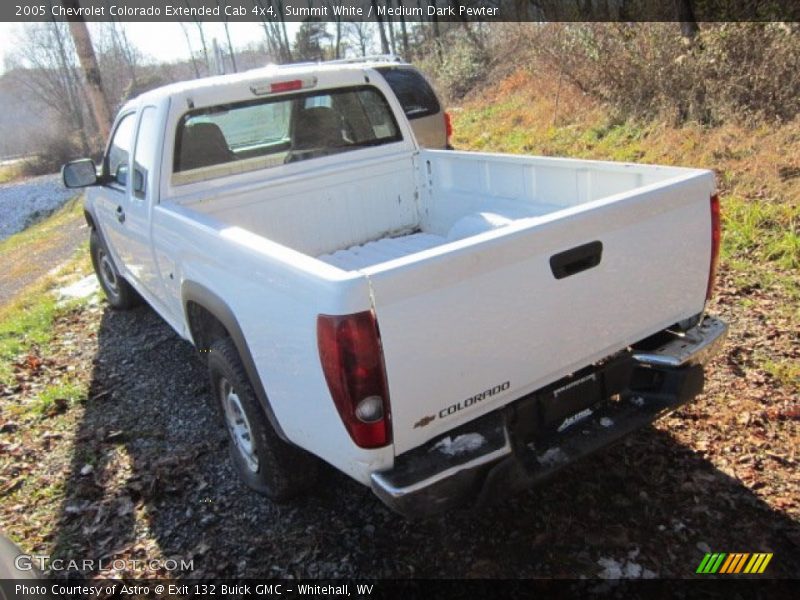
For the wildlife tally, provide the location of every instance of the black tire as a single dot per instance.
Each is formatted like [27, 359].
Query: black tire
[267, 464]
[119, 292]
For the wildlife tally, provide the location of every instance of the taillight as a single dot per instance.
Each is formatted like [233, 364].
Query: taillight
[352, 360]
[448, 126]
[716, 236]
[277, 87]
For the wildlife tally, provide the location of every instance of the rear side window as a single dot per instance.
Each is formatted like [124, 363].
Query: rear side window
[235, 138]
[412, 90]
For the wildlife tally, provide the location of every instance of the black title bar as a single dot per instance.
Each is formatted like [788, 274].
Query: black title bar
[395, 10]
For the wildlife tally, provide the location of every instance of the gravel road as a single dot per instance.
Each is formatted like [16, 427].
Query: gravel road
[148, 475]
[23, 203]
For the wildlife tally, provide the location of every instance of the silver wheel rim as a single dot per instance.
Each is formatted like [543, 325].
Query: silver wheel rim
[107, 273]
[238, 425]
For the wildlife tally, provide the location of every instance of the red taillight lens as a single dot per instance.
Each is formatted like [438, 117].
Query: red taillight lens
[448, 126]
[352, 360]
[286, 86]
[716, 237]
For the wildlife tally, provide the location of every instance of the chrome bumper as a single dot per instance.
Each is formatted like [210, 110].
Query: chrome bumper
[426, 481]
[694, 347]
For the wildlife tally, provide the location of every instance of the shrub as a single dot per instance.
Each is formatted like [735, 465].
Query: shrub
[458, 67]
[730, 71]
[55, 150]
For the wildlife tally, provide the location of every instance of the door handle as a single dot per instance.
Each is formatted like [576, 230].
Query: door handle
[576, 259]
[120, 214]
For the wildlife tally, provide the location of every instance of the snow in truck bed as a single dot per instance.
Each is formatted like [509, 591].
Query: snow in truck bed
[380, 251]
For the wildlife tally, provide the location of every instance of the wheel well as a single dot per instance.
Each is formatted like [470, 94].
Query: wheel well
[204, 326]
[89, 220]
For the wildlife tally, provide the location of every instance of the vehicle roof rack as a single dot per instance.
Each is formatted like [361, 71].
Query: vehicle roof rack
[388, 58]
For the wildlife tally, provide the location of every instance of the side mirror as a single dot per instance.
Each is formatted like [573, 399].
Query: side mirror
[79, 173]
[121, 176]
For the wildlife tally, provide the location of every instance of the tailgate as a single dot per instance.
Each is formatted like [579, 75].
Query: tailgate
[475, 324]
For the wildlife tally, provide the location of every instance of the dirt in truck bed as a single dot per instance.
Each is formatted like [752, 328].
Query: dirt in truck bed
[139, 469]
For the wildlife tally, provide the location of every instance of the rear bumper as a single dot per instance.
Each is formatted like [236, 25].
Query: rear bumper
[529, 440]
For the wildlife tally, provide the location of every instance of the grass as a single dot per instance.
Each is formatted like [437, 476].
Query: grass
[47, 395]
[11, 172]
[59, 397]
[26, 323]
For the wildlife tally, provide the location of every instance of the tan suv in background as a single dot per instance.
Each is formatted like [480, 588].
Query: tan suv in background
[431, 124]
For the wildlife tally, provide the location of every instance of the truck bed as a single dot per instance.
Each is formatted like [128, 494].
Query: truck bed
[545, 265]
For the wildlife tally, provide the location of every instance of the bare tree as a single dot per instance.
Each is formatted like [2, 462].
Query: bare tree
[274, 27]
[404, 31]
[191, 51]
[337, 37]
[91, 72]
[119, 62]
[203, 43]
[390, 27]
[44, 64]
[381, 30]
[360, 32]
[222, 4]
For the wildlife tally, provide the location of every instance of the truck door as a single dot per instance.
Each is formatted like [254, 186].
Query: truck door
[127, 199]
[111, 197]
[138, 205]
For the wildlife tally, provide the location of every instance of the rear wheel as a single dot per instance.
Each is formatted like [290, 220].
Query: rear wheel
[119, 292]
[264, 461]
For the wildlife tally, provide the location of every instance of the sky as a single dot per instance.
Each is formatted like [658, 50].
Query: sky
[161, 42]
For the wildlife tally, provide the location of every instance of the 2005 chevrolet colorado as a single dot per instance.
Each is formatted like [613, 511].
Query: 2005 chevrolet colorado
[443, 326]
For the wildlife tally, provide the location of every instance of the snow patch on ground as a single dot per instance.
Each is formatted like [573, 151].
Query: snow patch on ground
[552, 457]
[26, 202]
[625, 568]
[461, 444]
[80, 289]
[606, 422]
[637, 400]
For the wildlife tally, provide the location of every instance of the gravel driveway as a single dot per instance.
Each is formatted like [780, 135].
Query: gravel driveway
[148, 475]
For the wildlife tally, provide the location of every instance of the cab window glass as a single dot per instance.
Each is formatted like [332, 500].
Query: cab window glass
[120, 149]
[146, 150]
[257, 134]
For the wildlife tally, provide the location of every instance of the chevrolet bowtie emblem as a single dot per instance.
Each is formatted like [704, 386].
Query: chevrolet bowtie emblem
[424, 421]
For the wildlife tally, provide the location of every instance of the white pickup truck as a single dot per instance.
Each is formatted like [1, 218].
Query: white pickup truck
[443, 326]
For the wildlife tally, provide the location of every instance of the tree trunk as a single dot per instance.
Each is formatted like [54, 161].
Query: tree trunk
[287, 44]
[191, 52]
[91, 72]
[390, 27]
[222, 6]
[685, 13]
[384, 41]
[199, 24]
[406, 53]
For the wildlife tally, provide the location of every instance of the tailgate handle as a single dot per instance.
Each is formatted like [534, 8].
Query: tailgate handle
[576, 259]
